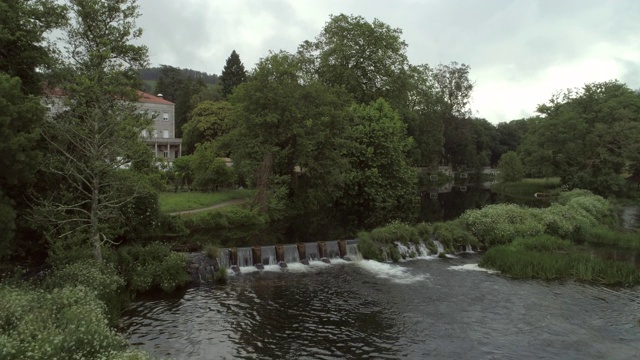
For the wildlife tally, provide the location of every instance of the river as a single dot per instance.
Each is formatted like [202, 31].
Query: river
[421, 309]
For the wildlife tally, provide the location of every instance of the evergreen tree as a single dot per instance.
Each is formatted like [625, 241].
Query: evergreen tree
[233, 74]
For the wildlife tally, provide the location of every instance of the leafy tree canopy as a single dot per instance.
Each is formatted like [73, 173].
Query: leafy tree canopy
[590, 137]
[209, 120]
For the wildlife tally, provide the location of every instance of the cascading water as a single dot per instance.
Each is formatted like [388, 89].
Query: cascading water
[413, 250]
[439, 245]
[268, 255]
[245, 257]
[468, 248]
[223, 259]
[333, 251]
[291, 254]
[312, 252]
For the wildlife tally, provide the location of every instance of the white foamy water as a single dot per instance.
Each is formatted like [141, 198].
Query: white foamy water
[472, 267]
[394, 273]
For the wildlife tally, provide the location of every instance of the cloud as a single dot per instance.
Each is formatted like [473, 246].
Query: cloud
[520, 52]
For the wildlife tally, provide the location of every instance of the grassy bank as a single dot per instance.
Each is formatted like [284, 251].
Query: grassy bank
[183, 201]
[526, 187]
[522, 242]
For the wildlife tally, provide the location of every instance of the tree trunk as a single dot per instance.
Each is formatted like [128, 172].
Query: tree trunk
[95, 231]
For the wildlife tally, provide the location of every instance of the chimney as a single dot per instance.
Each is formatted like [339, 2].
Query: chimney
[159, 95]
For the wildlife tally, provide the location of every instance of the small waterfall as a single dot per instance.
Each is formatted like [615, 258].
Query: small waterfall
[312, 251]
[333, 251]
[352, 251]
[291, 254]
[468, 248]
[268, 255]
[413, 251]
[245, 257]
[439, 246]
[223, 259]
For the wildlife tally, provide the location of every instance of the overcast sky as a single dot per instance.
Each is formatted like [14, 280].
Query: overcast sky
[520, 51]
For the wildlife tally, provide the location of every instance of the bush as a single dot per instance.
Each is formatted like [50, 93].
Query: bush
[453, 236]
[152, 266]
[227, 218]
[212, 251]
[220, 276]
[368, 248]
[501, 223]
[65, 323]
[395, 232]
[542, 243]
[393, 253]
[102, 279]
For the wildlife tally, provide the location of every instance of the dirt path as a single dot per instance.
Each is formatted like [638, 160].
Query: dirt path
[217, 206]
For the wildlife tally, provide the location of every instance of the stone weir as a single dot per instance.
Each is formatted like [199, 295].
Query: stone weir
[283, 254]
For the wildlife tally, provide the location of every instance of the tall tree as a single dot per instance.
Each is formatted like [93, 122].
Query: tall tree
[233, 74]
[25, 54]
[209, 120]
[24, 49]
[589, 137]
[98, 132]
[368, 59]
[380, 185]
[170, 82]
[455, 87]
[299, 126]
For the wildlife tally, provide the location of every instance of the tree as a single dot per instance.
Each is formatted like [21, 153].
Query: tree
[510, 167]
[233, 74]
[209, 120]
[380, 186]
[184, 102]
[25, 55]
[299, 126]
[367, 59]
[98, 133]
[25, 51]
[170, 82]
[20, 117]
[589, 137]
[454, 86]
[209, 170]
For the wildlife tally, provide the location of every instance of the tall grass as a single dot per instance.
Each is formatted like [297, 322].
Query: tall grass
[526, 187]
[183, 201]
[526, 264]
[607, 236]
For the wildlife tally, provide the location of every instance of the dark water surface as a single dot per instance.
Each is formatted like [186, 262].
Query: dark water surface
[422, 309]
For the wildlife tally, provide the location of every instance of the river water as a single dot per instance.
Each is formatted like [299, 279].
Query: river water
[421, 309]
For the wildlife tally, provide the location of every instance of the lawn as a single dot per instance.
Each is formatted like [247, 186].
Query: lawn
[526, 187]
[181, 201]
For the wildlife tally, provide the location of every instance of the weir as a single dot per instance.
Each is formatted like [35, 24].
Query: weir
[304, 253]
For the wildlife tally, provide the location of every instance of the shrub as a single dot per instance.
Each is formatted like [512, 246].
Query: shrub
[102, 279]
[501, 223]
[152, 266]
[65, 323]
[230, 217]
[453, 235]
[220, 276]
[395, 232]
[368, 248]
[542, 243]
[393, 253]
[212, 251]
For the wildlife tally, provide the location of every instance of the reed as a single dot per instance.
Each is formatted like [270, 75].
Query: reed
[519, 262]
[607, 236]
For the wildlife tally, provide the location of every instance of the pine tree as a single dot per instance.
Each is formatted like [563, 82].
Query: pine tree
[233, 74]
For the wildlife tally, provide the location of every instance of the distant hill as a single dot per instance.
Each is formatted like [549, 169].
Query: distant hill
[151, 75]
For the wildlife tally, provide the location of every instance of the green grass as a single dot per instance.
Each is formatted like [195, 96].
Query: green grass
[606, 236]
[548, 259]
[173, 202]
[526, 187]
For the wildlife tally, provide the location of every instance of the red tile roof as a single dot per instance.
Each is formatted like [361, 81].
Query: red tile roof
[148, 98]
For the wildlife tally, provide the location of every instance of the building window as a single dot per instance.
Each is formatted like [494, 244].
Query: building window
[166, 154]
[155, 134]
[165, 116]
[144, 133]
[165, 133]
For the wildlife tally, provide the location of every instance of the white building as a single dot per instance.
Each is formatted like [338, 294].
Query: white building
[162, 137]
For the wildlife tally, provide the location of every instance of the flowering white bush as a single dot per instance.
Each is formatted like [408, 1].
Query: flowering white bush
[501, 223]
[66, 323]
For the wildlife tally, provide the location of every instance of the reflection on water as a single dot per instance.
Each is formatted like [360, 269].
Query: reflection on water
[438, 308]
[449, 201]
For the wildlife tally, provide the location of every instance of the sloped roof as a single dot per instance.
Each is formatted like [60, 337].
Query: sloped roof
[148, 98]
